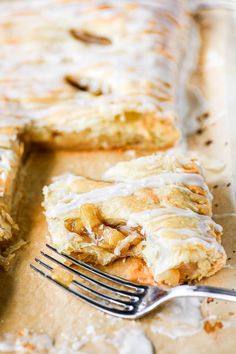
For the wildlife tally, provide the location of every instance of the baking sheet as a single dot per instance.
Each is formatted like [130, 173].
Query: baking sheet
[29, 302]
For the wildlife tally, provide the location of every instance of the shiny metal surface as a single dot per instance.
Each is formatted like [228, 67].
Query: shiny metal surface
[114, 295]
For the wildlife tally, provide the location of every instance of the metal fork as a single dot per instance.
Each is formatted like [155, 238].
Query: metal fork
[117, 296]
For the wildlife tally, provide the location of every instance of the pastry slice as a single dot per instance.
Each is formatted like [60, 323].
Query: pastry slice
[156, 208]
[107, 81]
[11, 150]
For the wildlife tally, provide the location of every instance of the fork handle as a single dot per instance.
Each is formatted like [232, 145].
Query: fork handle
[204, 291]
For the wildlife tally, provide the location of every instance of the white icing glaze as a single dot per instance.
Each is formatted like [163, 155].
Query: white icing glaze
[167, 212]
[189, 236]
[11, 122]
[203, 221]
[39, 343]
[6, 160]
[214, 59]
[72, 201]
[6, 138]
[174, 319]
[149, 165]
[125, 342]
[133, 341]
[132, 68]
[166, 249]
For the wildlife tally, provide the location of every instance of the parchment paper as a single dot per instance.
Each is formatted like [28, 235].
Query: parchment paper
[28, 301]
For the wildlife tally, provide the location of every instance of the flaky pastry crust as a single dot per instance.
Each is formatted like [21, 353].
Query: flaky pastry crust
[157, 208]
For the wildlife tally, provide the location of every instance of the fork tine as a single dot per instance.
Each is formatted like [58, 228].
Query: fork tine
[92, 291]
[103, 296]
[128, 311]
[132, 296]
[139, 288]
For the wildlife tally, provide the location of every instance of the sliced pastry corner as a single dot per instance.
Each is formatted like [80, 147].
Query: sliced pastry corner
[155, 208]
[11, 151]
[110, 83]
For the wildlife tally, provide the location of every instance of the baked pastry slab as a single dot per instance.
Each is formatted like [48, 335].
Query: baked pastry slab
[156, 208]
[108, 80]
[11, 151]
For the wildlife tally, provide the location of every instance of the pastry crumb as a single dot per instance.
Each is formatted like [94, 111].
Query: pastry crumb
[29, 346]
[200, 131]
[62, 276]
[212, 326]
[208, 142]
[203, 116]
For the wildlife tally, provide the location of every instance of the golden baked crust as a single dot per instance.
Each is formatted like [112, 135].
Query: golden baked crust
[11, 150]
[107, 81]
[157, 208]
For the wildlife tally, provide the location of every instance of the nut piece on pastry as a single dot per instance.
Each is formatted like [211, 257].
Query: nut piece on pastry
[156, 208]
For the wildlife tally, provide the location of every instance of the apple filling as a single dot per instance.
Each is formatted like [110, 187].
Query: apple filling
[111, 235]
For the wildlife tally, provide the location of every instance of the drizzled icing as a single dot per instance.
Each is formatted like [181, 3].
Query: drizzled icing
[133, 341]
[172, 236]
[156, 235]
[137, 70]
[73, 201]
[191, 236]
[163, 213]
[12, 122]
[174, 319]
[6, 160]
